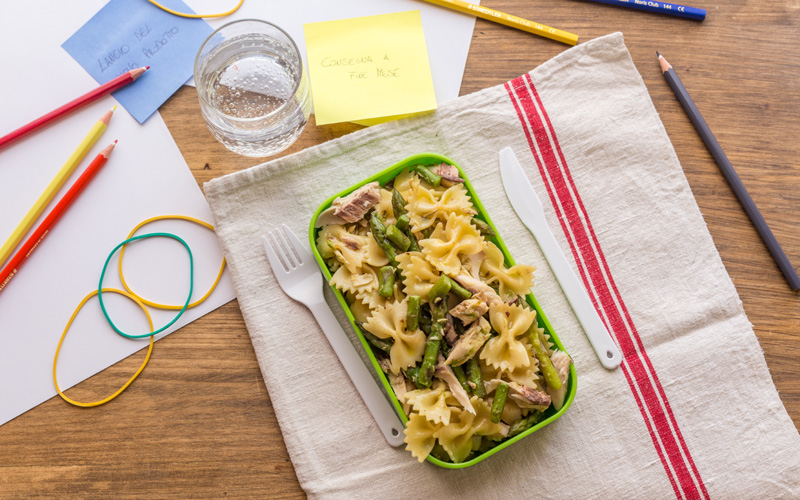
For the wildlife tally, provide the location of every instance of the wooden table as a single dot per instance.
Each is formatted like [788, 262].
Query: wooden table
[198, 422]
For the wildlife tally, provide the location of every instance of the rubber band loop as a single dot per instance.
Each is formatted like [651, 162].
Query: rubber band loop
[156, 304]
[197, 16]
[64, 335]
[188, 298]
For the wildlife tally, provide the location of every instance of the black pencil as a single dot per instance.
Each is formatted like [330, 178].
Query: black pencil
[730, 174]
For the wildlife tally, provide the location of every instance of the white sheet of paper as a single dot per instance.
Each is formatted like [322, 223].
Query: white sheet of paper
[146, 176]
[447, 33]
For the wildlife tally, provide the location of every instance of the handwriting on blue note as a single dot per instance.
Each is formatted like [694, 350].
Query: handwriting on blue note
[130, 34]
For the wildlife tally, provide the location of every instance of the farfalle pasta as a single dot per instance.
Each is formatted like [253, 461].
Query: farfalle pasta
[448, 321]
[449, 242]
[418, 274]
[427, 206]
[510, 282]
[389, 321]
[506, 351]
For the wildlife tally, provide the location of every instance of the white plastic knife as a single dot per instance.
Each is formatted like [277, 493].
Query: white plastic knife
[530, 210]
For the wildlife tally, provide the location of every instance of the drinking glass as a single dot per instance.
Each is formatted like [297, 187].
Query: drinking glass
[252, 86]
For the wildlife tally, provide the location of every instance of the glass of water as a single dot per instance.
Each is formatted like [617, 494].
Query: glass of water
[253, 89]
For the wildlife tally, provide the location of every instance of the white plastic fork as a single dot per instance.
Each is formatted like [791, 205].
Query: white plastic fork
[301, 279]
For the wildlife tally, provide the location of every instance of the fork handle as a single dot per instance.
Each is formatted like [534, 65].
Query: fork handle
[381, 410]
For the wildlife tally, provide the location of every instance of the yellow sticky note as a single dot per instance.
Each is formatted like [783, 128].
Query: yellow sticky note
[368, 68]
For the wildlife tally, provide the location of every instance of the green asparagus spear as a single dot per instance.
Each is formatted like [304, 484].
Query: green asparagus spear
[384, 345]
[414, 246]
[483, 228]
[412, 373]
[474, 375]
[428, 176]
[500, 395]
[458, 290]
[439, 289]
[379, 233]
[425, 321]
[523, 424]
[434, 341]
[402, 222]
[548, 370]
[439, 452]
[398, 204]
[462, 378]
[412, 316]
[386, 281]
[397, 237]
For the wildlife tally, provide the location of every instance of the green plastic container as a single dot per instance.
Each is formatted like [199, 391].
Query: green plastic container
[384, 177]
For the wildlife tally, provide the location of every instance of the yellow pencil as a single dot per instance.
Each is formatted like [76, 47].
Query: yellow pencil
[508, 20]
[52, 188]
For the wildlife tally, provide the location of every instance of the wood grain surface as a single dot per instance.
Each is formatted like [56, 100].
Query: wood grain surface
[198, 422]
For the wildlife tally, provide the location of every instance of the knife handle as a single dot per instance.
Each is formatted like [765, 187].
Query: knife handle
[604, 346]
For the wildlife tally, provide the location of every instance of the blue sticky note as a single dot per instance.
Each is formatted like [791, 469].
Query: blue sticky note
[130, 34]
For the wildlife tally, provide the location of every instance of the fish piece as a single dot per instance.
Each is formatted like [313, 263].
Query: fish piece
[480, 290]
[355, 205]
[445, 373]
[450, 334]
[525, 397]
[469, 310]
[468, 344]
[327, 218]
[448, 173]
[561, 362]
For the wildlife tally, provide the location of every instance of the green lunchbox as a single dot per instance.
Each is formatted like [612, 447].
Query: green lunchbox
[382, 178]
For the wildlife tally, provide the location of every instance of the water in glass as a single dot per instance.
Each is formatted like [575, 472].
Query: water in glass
[253, 89]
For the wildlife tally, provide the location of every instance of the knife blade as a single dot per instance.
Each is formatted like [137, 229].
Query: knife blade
[531, 211]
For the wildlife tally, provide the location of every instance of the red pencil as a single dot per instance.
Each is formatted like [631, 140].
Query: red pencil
[112, 86]
[47, 224]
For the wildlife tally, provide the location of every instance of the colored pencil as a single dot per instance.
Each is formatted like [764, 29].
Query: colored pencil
[659, 7]
[50, 191]
[112, 86]
[54, 216]
[508, 20]
[730, 174]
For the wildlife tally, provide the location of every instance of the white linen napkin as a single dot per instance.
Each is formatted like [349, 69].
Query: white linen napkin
[691, 413]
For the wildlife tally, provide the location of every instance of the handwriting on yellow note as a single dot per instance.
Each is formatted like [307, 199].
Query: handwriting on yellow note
[368, 69]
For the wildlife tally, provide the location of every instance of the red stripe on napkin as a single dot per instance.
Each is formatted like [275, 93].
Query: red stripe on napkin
[593, 269]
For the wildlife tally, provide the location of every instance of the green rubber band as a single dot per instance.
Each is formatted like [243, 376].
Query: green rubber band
[103, 275]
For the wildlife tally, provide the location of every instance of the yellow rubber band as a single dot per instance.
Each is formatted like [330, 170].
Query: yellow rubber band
[197, 16]
[167, 306]
[64, 335]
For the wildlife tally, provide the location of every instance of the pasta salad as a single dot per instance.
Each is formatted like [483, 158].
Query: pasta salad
[447, 319]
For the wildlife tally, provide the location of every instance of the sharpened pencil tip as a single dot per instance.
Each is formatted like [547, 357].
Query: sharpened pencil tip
[147, 67]
[114, 108]
[115, 141]
[662, 61]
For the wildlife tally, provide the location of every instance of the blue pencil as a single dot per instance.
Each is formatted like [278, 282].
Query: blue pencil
[660, 7]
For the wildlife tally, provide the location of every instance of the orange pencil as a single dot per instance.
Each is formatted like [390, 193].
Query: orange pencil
[47, 224]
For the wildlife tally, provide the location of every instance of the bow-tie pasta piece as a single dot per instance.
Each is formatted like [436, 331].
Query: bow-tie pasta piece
[430, 403]
[427, 206]
[389, 321]
[449, 242]
[510, 282]
[420, 438]
[506, 352]
[364, 282]
[418, 274]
